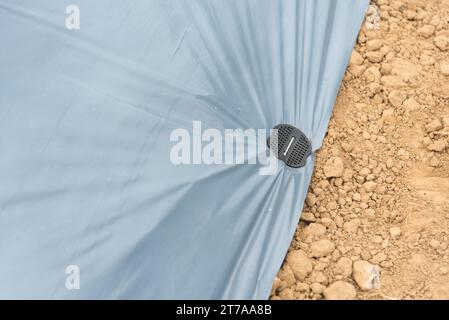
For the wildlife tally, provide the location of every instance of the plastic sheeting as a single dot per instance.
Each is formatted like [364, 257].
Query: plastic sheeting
[85, 122]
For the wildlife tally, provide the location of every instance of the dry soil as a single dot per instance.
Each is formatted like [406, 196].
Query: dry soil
[376, 221]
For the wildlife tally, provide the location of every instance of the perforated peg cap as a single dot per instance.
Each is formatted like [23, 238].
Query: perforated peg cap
[290, 145]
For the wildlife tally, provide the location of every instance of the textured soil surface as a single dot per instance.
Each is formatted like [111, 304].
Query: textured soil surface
[376, 221]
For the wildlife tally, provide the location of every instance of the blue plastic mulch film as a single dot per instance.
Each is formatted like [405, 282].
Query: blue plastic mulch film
[91, 203]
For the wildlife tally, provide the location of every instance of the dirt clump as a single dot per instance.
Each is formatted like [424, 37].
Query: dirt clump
[340, 290]
[376, 219]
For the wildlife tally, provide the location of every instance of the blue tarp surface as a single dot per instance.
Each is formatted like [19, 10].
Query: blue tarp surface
[86, 116]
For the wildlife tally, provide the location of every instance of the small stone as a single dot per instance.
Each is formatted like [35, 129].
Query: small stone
[347, 175]
[339, 221]
[405, 69]
[403, 154]
[314, 230]
[275, 286]
[426, 141]
[300, 264]
[435, 21]
[340, 290]
[329, 223]
[442, 42]
[333, 168]
[435, 125]
[370, 213]
[397, 97]
[322, 248]
[395, 232]
[410, 14]
[332, 205]
[287, 294]
[364, 172]
[444, 68]
[426, 31]
[352, 226]
[351, 124]
[357, 70]
[372, 74]
[311, 199]
[308, 217]
[411, 104]
[435, 162]
[347, 147]
[388, 115]
[366, 135]
[365, 255]
[302, 287]
[343, 267]
[366, 275]
[389, 163]
[378, 258]
[427, 60]
[374, 56]
[392, 82]
[435, 244]
[373, 45]
[356, 59]
[317, 288]
[397, 5]
[446, 121]
[386, 69]
[286, 275]
[318, 276]
[442, 90]
[438, 145]
[370, 186]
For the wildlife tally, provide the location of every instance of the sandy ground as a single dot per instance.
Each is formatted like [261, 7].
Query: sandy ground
[376, 220]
